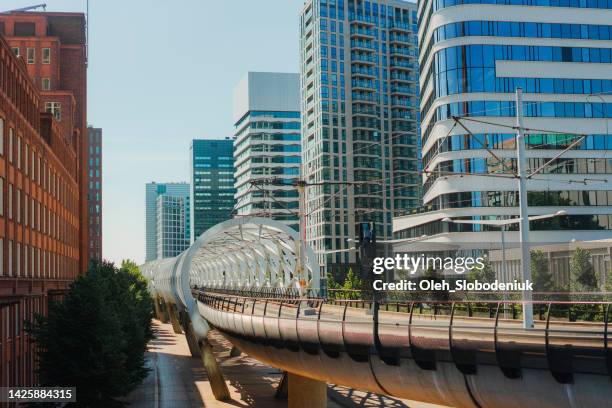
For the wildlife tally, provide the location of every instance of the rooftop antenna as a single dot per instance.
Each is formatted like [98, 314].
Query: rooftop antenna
[29, 8]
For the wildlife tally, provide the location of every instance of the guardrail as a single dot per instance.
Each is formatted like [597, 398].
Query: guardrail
[466, 330]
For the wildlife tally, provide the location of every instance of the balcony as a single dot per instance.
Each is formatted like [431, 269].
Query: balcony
[365, 98]
[402, 77]
[402, 52]
[405, 102]
[402, 90]
[357, 31]
[395, 38]
[398, 26]
[367, 46]
[366, 124]
[366, 59]
[402, 64]
[358, 110]
[360, 19]
[363, 71]
[367, 85]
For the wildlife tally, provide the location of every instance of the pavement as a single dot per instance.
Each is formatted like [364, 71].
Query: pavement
[177, 380]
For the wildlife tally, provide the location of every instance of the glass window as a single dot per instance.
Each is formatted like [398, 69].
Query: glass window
[31, 55]
[46, 55]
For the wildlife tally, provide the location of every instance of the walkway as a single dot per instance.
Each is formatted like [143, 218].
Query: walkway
[179, 381]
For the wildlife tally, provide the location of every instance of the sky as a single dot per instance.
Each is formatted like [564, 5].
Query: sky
[160, 74]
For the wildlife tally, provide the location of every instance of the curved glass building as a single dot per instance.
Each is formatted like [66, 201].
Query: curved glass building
[473, 55]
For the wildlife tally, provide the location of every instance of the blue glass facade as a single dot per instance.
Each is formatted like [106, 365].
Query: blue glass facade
[212, 183]
[472, 61]
[153, 234]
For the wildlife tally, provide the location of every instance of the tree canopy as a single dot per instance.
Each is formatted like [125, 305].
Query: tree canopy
[96, 337]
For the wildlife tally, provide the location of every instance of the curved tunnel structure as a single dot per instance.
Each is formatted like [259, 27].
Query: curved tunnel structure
[456, 354]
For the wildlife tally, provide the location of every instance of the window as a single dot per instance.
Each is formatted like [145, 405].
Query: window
[16, 51]
[1, 256]
[46, 55]
[31, 54]
[46, 84]
[10, 146]
[26, 160]
[19, 152]
[55, 108]
[10, 201]
[24, 29]
[10, 258]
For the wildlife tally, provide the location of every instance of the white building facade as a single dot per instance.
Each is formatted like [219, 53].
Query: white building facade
[472, 58]
[267, 146]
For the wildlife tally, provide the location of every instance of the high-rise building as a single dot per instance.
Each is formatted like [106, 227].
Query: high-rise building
[267, 145]
[39, 216]
[474, 55]
[94, 173]
[359, 120]
[172, 227]
[153, 191]
[212, 183]
[53, 47]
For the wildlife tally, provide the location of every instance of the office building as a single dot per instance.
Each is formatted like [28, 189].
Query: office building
[267, 146]
[153, 192]
[359, 120]
[172, 227]
[39, 216]
[94, 173]
[212, 183]
[473, 57]
[53, 47]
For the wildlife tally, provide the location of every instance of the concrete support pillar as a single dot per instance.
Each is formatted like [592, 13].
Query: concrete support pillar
[215, 376]
[306, 393]
[158, 312]
[192, 341]
[172, 312]
[163, 307]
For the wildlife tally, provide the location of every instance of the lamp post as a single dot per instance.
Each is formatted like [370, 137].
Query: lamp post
[527, 320]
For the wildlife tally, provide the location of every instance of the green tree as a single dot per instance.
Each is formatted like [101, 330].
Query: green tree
[582, 273]
[484, 275]
[96, 338]
[540, 272]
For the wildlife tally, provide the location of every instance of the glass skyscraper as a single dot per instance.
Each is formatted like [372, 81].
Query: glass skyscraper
[153, 192]
[212, 183]
[172, 225]
[474, 55]
[267, 145]
[359, 120]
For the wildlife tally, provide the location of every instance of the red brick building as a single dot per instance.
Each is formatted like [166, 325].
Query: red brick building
[54, 48]
[41, 204]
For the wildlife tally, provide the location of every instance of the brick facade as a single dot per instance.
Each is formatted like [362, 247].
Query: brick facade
[65, 65]
[40, 206]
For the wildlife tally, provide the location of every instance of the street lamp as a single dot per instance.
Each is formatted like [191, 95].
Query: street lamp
[502, 226]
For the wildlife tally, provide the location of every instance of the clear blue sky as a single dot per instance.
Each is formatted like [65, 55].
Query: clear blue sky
[161, 73]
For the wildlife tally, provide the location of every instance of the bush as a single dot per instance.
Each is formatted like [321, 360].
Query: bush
[96, 338]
